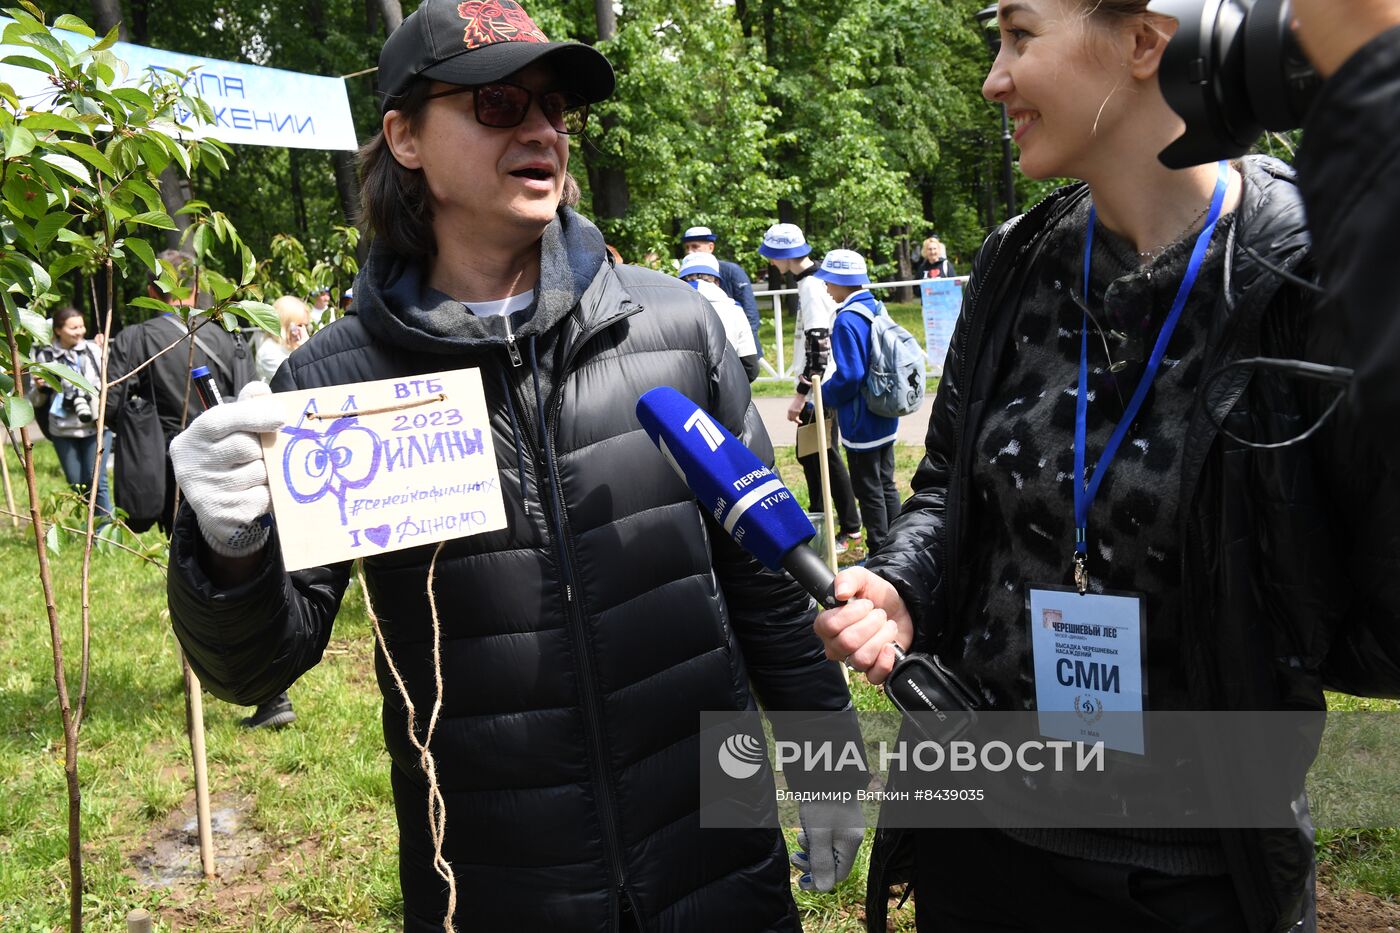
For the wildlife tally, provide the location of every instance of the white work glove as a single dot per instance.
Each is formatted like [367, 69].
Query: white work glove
[831, 835]
[218, 463]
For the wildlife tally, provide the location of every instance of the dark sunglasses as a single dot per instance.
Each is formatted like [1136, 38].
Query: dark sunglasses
[1118, 352]
[501, 105]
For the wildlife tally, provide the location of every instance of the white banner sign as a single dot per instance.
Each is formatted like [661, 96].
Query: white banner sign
[252, 105]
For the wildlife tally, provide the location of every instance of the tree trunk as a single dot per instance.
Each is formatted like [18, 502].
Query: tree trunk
[174, 193]
[606, 180]
[294, 182]
[607, 19]
[392, 11]
[904, 266]
[108, 13]
[346, 184]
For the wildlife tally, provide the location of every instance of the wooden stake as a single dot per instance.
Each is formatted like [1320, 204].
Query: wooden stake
[194, 721]
[9, 490]
[828, 511]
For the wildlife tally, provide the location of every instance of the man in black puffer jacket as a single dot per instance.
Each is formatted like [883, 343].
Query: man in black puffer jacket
[580, 643]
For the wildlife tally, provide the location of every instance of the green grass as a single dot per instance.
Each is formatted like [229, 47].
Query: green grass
[317, 795]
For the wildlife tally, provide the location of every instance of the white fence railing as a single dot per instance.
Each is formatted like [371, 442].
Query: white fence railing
[786, 369]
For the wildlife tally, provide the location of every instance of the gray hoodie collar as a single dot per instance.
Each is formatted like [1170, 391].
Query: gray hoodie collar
[389, 293]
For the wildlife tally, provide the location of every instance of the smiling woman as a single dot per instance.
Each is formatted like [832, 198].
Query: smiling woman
[1073, 445]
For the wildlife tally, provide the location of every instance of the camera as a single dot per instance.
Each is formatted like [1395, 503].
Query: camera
[1233, 70]
[81, 404]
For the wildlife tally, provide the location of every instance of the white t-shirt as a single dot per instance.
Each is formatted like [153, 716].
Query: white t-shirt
[736, 324]
[814, 309]
[502, 306]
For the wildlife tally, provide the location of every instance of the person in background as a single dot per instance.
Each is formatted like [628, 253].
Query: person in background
[321, 313]
[732, 277]
[165, 384]
[932, 261]
[271, 350]
[787, 250]
[868, 438]
[72, 411]
[701, 270]
[347, 298]
[1099, 351]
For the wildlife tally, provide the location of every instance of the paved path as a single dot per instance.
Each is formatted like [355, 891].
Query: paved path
[782, 432]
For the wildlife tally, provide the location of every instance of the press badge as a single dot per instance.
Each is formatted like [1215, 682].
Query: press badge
[1087, 655]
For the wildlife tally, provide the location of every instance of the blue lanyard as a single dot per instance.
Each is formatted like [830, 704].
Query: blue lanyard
[1086, 489]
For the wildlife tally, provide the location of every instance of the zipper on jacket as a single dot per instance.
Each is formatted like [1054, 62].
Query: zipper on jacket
[515, 359]
[589, 699]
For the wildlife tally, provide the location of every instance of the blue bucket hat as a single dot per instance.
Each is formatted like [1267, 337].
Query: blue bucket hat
[843, 267]
[784, 241]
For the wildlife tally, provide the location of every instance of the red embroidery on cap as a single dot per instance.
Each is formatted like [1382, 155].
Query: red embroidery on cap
[492, 21]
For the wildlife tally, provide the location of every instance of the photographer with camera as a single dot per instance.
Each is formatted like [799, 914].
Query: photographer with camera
[67, 413]
[1103, 424]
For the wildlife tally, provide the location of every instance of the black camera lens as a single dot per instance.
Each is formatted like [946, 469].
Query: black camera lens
[1233, 70]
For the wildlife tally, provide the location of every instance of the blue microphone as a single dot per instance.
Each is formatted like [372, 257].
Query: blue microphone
[751, 503]
[745, 497]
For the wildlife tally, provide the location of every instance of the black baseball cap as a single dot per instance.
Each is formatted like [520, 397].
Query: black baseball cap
[480, 41]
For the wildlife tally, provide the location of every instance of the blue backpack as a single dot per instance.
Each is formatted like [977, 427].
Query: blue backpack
[894, 381]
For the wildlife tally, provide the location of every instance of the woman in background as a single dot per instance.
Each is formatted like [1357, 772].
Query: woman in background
[271, 351]
[72, 411]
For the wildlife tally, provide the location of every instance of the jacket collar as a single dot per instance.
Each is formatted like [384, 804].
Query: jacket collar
[390, 299]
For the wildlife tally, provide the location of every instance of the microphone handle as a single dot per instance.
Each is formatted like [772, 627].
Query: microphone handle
[812, 573]
[919, 683]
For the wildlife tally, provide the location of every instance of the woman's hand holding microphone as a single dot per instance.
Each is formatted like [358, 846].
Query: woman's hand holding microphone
[864, 631]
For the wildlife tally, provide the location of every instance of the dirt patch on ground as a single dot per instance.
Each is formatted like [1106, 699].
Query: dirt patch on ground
[248, 866]
[171, 854]
[1355, 912]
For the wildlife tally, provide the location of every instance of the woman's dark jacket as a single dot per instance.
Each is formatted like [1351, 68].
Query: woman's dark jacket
[1288, 555]
[580, 643]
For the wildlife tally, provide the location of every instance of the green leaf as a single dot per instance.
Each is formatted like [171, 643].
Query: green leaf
[37, 325]
[18, 142]
[47, 228]
[153, 219]
[250, 266]
[18, 411]
[143, 251]
[65, 264]
[24, 196]
[152, 304]
[193, 206]
[68, 165]
[51, 48]
[51, 121]
[62, 373]
[51, 539]
[134, 96]
[107, 41]
[73, 24]
[220, 286]
[91, 156]
[258, 314]
[145, 192]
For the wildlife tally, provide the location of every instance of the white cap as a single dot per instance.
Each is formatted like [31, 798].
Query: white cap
[843, 267]
[695, 263]
[784, 241]
[699, 233]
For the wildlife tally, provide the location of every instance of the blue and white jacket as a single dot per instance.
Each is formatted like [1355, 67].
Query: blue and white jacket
[850, 348]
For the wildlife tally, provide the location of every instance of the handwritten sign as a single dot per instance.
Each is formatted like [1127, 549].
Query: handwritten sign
[373, 467]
